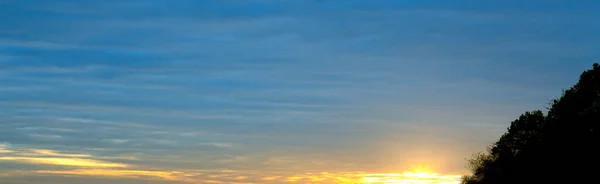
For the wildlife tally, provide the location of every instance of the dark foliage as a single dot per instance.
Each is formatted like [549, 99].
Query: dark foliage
[560, 147]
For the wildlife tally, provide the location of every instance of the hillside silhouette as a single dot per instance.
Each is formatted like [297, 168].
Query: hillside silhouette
[559, 147]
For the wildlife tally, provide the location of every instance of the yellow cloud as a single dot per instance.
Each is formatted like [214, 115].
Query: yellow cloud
[316, 178]
[51, 157]
[87, 166]
[293, 178]
[120, 173]
[54, 153]
[364, 178]
[211, 181]
[4, 148]
[270, 178]
[66, 162]
[241, 177]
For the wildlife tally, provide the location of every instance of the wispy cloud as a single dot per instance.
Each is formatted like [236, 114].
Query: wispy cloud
[51, 157]
[83, 164]
[120, 173]
[4, 149]
[65, 162]
[45, 152]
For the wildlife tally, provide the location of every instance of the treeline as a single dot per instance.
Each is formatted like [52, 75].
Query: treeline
[561, 146]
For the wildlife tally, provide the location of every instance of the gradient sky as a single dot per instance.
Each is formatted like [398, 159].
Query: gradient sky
[264, 91]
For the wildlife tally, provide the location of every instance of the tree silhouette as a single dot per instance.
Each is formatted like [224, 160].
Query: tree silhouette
[560, 147]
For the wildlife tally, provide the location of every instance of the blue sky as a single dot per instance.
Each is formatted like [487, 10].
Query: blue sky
[258, 91]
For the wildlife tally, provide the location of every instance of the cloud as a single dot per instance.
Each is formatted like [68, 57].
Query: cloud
[270, 178]
[5, 148]
[65, 162]
[293, 178]
[45, 136]
[119, 173]
[91, 165]
[219, 144]
[241, 177]
[52, 157]
[54, 153]
[117, 141]
[85, 164]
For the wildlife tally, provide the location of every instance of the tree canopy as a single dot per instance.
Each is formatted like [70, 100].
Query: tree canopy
[559, 147]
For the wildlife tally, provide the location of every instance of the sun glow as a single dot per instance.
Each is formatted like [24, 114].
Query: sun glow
[419, 175]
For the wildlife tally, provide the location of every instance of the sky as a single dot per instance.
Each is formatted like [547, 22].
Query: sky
[274, 91]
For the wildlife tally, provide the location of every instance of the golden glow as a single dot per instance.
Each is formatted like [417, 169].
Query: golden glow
[418, 175]
[90, 165]
[411, 178]
[421, 169]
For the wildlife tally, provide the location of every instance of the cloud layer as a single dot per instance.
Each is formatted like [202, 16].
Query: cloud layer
[271, 91]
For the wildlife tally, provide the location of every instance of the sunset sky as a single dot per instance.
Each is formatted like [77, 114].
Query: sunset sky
[275, 91]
